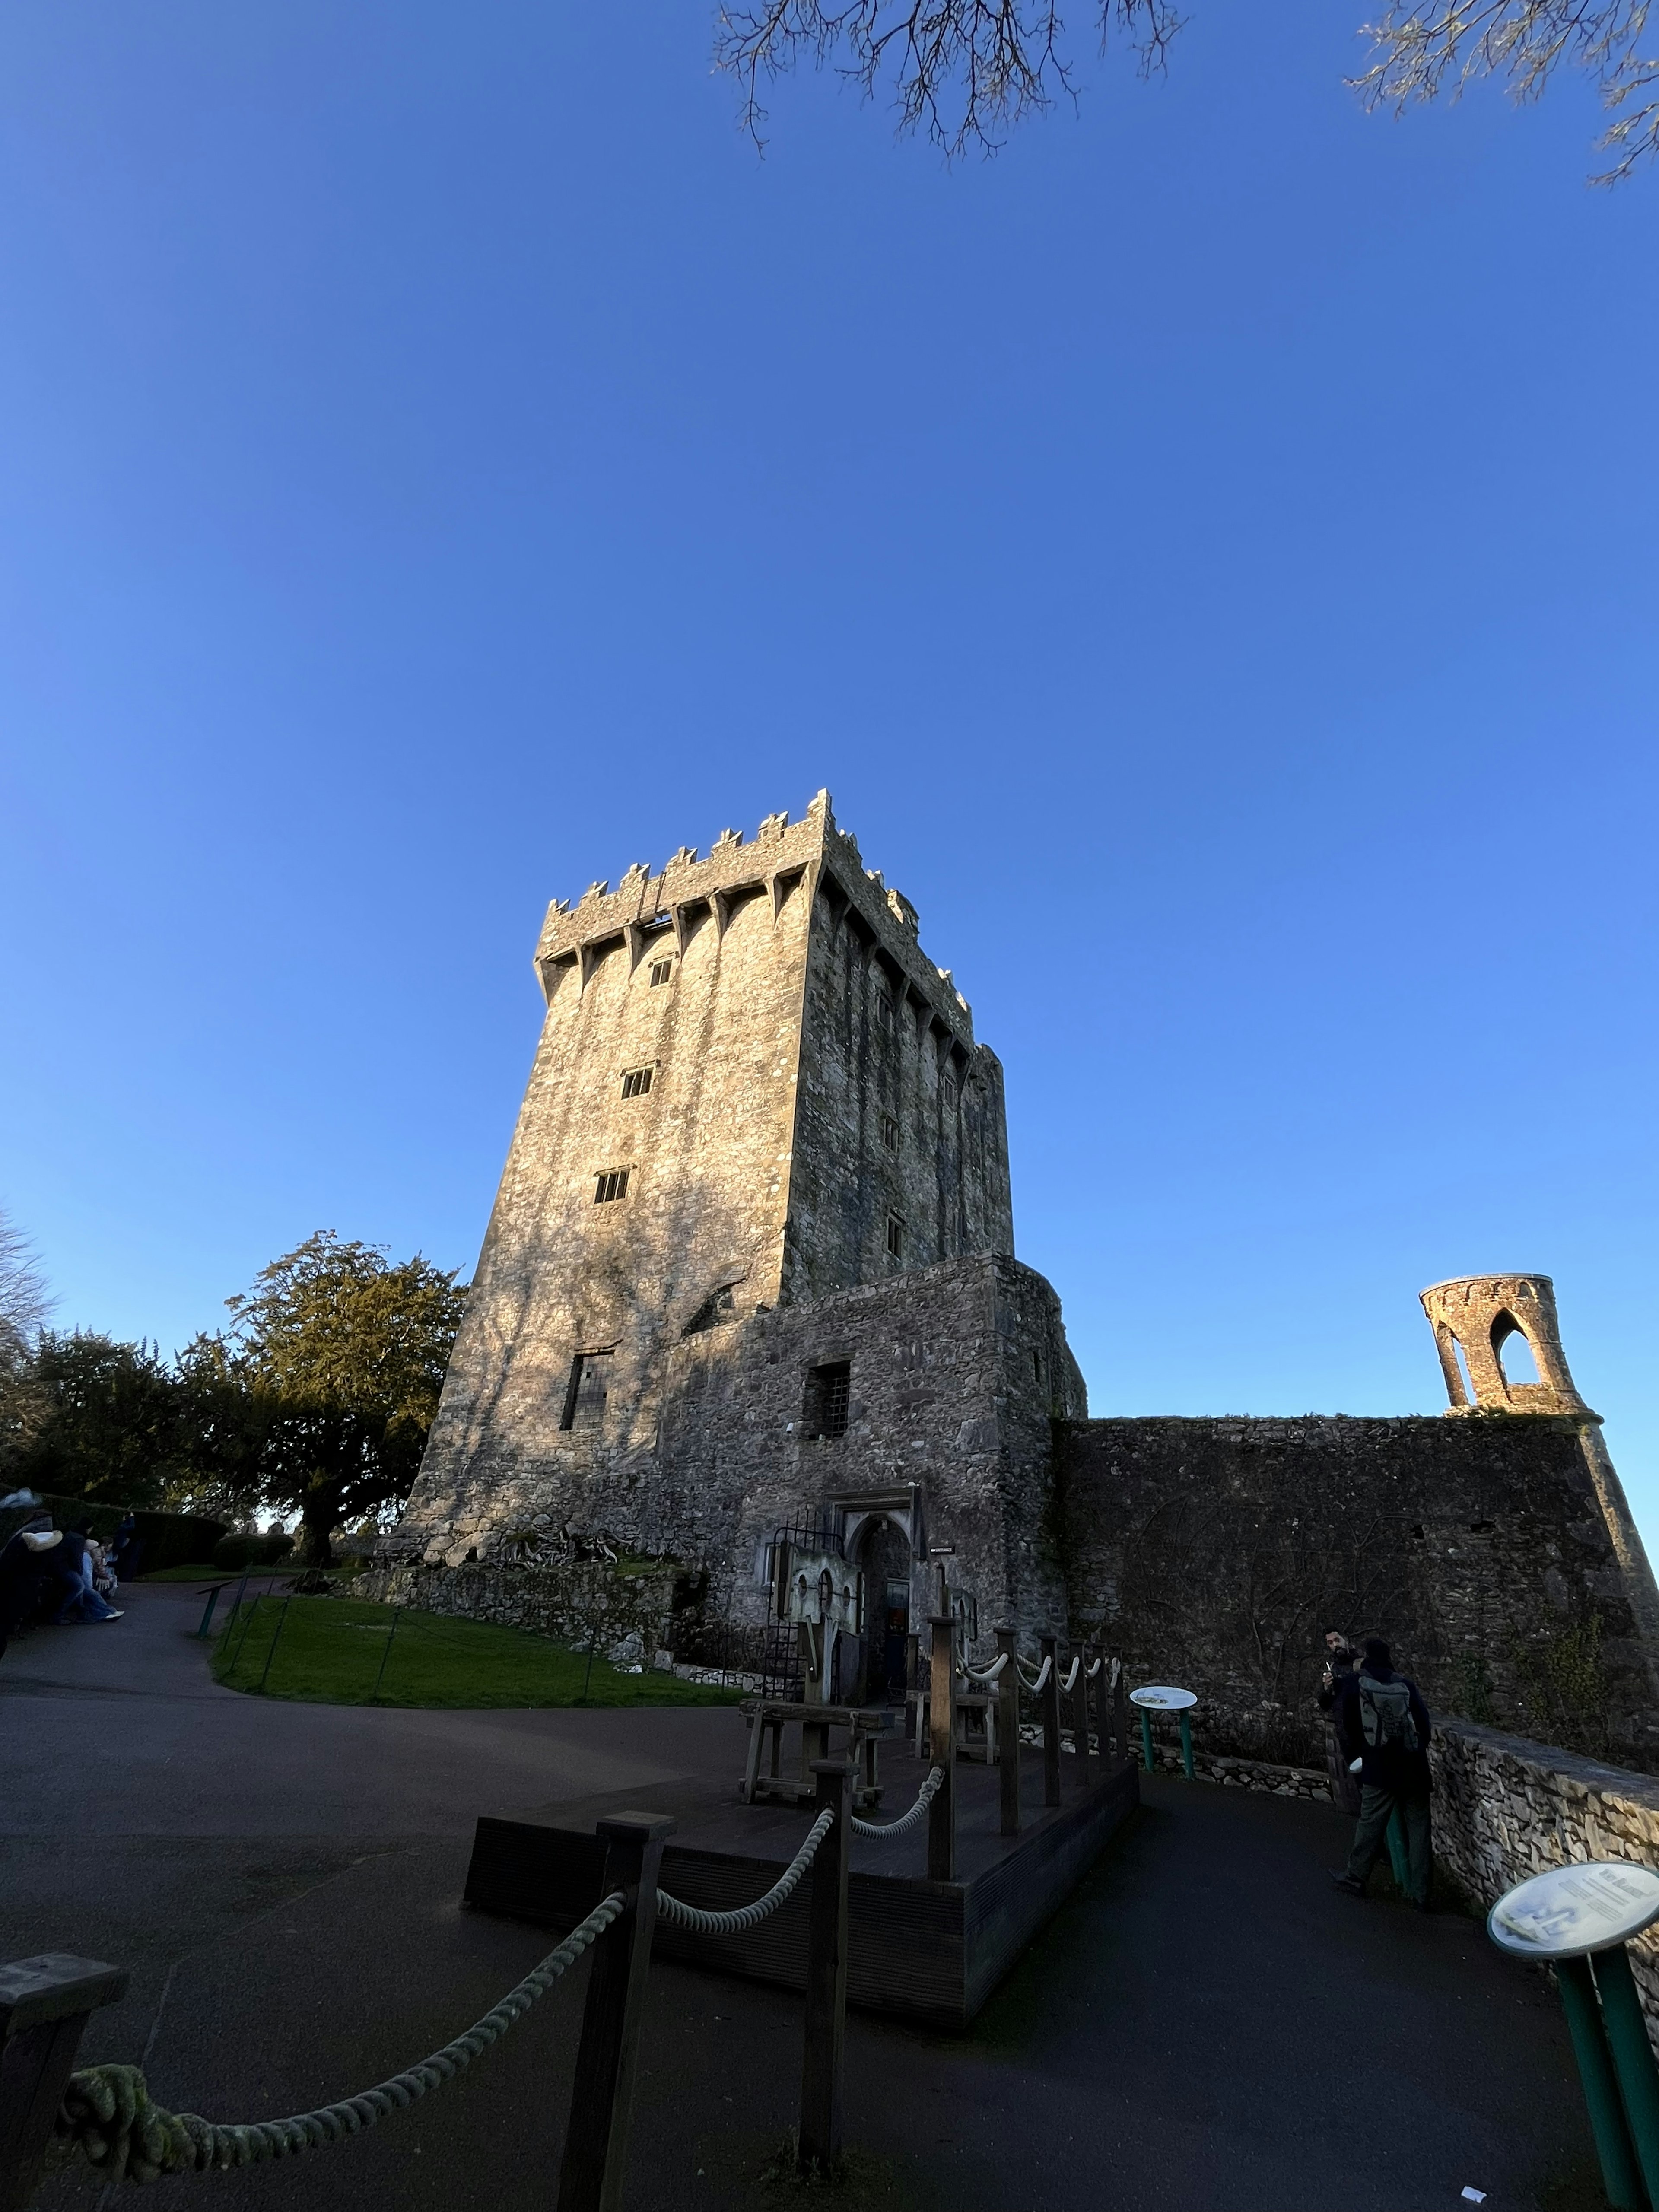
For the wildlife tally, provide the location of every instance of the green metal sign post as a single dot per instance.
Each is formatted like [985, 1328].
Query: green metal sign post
[1164, 1698]
[1578, 1919]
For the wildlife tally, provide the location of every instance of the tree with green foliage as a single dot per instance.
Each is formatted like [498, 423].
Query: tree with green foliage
[219, 1466]
[344, 1354]
[110, 1429]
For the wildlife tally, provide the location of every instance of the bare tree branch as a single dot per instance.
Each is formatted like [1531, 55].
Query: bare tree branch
[1420, 53]
[967, 71]
[25, 1301]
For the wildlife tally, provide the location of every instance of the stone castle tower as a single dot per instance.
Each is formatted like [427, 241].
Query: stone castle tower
[754, 1099]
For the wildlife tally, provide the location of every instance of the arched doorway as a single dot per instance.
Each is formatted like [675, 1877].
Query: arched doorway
[884, 1556]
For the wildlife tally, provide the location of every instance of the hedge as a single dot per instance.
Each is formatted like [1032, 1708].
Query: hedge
[170, 1540]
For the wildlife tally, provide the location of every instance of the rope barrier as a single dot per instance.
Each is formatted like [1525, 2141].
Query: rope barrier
[1089, 1672]
[1070, 1682]
[107, 2113]
[742, 1918]
[925, 1796]
[1044, 1673]
[985, 1673]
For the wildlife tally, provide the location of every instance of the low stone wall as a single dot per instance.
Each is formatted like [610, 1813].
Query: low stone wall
[1261, 1774]
[621, 1612]
[1505, 1807]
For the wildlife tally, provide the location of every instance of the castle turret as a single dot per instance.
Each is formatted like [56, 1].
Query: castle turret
[1479, 1316]
[1477, 1320]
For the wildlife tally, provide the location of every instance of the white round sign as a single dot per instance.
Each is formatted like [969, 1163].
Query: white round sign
[1572, 1910]
[1161, 1698]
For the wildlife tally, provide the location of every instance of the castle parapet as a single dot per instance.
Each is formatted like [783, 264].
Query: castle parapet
[778, 858]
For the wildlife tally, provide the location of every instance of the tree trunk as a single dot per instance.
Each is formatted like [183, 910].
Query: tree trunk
[319, 1509]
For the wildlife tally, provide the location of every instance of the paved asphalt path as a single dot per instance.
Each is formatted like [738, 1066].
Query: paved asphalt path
[1206, 2024]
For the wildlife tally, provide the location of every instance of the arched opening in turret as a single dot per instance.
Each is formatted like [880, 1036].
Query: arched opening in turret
[1514, 1353]
[1469, 1397]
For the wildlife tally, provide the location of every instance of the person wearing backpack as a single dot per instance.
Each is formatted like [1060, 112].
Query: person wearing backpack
[1382, 1721]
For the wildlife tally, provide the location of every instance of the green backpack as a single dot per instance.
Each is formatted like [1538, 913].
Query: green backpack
[1385, 1715]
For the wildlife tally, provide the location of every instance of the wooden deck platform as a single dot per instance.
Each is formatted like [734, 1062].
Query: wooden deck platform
[927, 1950]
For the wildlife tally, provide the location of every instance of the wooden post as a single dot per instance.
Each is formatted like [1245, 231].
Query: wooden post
[1094, 1709]
[817, 2141]
[602, 2094]
[1120, 1715]
[1008, 1724]
[942, 1813]
[45, 2004]
[1049, 1647]
[1081, 1715]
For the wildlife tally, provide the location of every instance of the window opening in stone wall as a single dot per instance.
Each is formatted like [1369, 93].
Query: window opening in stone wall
[661, 971]
[1514, 1357]
[947, 1092]
[611, 1184]
[890, 1133]
[587, 1391]
[636, 1083]
[829, 1390]
[895, 1235]
[884, 1011]
[719, 1306]
[1036, 1367]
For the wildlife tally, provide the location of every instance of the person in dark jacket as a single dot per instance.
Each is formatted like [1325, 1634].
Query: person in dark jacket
[25, 1575]
[124, 1547]
[1340, 1663]
[1381, 1720]
[71, 1566]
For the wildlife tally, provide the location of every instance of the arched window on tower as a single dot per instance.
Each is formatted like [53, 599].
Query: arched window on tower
[1515, 1355]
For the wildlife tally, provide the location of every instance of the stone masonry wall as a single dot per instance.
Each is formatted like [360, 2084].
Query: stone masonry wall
[1506, 1808]
[1215, 1553]
[957, 1372]
[900, 1115]
[620, 1614]
[807, 1093]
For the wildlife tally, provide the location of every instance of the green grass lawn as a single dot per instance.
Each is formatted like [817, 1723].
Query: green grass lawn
[328, 1650]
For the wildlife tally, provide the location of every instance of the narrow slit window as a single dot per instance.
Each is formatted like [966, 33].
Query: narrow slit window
[890, 1133]
[609, 1185]
[636, 1083]
[829, 1390]
[896, 1236]
[661, 971]
[947, 1092]
[884, 1011]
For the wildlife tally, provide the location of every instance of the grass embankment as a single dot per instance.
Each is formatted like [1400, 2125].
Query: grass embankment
[330, 1650]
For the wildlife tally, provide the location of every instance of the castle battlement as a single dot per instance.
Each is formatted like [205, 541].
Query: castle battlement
[688, 890]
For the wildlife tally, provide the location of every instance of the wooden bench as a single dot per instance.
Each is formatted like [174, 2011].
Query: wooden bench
[865, 1726]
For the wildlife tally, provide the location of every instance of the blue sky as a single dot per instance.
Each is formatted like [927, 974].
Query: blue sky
[1207, 551]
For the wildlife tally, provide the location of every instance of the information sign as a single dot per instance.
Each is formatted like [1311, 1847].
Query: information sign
[1574, 1909]
[1160, 1698]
